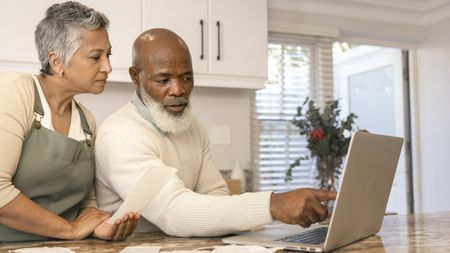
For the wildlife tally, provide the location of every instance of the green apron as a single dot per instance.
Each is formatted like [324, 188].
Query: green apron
[54, 171]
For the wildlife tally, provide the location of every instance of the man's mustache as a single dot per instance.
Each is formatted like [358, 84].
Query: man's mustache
[176, 101]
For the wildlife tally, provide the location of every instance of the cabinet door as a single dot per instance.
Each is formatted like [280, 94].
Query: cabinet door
[19, 18]
[125, 26]
[241, 42]
[18, 21]
[182, 17]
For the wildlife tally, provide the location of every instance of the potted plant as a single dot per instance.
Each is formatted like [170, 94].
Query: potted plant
[328, 138]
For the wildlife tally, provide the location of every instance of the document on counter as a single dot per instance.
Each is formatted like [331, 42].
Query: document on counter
[149, 185]
[147, 248]
[43, 250]
[143, 248]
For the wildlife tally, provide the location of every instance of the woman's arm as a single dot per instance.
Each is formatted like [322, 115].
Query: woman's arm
[16, 210]
[24, 215]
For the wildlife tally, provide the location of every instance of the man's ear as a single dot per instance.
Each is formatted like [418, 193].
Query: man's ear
[134, 75]
[55, 63]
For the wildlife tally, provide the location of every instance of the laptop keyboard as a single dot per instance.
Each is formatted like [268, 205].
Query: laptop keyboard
[314, 236]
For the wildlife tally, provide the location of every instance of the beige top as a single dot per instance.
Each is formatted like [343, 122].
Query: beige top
[16, 117]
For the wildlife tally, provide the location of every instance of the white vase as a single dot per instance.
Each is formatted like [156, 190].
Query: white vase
[239, 174]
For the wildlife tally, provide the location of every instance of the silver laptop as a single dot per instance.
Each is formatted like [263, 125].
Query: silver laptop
[360, 204]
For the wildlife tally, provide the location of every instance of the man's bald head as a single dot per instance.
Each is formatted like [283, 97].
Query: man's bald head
[162, 70]
[155, 41]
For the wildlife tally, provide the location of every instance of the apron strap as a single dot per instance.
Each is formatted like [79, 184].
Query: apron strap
[84, 124]
[39, 113]
[37, 102]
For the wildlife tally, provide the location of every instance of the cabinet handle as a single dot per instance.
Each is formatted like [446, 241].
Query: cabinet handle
[218, 40]
[201, 39]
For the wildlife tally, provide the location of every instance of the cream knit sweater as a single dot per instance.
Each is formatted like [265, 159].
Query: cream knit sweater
[194, 202]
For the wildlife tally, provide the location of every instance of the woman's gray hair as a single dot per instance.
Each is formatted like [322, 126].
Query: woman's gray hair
[61, 31]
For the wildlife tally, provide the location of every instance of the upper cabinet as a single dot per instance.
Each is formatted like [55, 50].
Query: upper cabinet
[19, 18]
[125, 24]
[227, 38]
[188, 18]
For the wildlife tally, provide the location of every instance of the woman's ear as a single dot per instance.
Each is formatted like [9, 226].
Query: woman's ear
[134, 74]
[56, 65]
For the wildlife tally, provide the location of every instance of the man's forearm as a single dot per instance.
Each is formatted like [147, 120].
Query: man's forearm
[181, 212]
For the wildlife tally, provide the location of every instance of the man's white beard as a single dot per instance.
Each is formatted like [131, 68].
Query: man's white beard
[163, 119]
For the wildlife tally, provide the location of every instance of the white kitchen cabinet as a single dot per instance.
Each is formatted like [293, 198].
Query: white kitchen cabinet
[125, 25]
[183, 17]
[241, 40]
[227, 38]
[19, 18]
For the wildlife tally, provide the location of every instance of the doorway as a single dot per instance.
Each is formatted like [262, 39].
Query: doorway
[371, 83]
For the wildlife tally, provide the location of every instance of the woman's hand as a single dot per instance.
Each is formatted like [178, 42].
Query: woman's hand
[88, 219]
[118, 231]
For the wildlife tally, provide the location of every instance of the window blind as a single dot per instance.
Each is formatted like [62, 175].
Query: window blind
[298, 67]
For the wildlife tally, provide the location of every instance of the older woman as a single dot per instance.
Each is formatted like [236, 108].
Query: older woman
[46, 137]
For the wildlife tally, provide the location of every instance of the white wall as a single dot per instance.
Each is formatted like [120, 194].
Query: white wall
[348, 28]
[226, 107]
[433, 91]
[213, 107]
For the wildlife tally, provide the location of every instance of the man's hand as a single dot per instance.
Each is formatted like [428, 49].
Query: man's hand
[301, 206]
[118, 231]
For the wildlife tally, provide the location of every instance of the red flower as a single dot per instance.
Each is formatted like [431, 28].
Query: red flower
[317, 134]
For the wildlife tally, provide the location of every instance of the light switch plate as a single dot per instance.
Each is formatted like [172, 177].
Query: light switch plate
[221, 135]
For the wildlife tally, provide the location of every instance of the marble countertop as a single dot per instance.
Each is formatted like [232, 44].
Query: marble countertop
[399, 233]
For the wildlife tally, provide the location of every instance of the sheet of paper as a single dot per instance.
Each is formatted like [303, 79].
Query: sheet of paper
[186, 251]
[243, 249]
[143, 248]
[216, 249]
[43, 250]
[145, 190]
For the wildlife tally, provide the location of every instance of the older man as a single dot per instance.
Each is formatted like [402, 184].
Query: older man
[156, 134]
